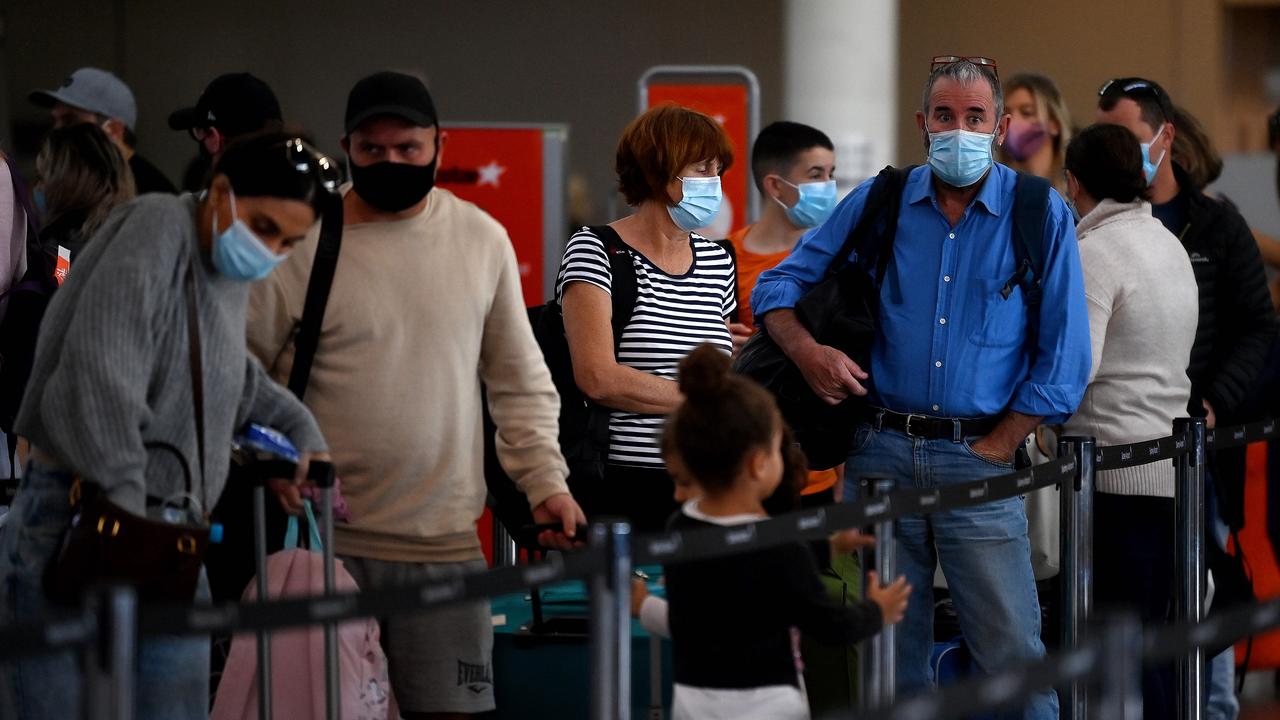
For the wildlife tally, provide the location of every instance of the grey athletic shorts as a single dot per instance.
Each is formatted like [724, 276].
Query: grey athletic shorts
[440, 661]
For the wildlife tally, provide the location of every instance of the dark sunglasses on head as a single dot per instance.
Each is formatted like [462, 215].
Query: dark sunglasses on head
[305, 158]
[983, 62]
[1132, 87]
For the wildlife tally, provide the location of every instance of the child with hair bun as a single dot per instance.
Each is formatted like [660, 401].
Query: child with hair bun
[731, 617]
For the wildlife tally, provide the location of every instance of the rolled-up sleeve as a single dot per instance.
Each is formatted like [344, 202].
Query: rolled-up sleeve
[782, 286]
[1062, 357]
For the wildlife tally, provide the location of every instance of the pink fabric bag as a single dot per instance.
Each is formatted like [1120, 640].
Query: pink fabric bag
[297, 656]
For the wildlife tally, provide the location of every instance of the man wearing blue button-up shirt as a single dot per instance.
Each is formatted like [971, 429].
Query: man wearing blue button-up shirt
[955, 379]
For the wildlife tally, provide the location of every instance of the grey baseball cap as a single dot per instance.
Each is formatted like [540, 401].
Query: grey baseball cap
[97, 91]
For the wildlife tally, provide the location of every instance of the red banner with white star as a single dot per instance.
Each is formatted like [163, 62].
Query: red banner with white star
[500, 169]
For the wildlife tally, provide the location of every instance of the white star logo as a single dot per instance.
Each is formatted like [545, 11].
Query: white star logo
[490, 173]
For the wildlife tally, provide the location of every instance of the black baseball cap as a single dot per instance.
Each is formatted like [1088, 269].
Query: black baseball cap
[236, 104]
[390, 93]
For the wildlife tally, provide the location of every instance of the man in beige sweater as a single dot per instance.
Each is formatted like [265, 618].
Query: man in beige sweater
[426, 305]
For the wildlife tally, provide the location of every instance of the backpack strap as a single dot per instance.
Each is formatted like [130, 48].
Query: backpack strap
[735, 315]
[622, 281]
[1030, 206]
[872, 236]
[323, 268]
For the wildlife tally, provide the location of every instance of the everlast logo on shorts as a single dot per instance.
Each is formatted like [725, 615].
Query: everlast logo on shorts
[477, 678]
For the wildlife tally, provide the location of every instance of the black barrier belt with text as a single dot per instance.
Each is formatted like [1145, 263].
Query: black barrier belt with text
[385, 602]
[1115, 457]
[1015, 686]
[660, 548]
[54, 632]
[1229, 437]
[681, 546]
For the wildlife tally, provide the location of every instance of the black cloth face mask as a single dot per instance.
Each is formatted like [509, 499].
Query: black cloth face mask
[392, 187]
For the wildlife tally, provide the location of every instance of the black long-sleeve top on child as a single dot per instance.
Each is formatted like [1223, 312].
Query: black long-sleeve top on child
[731, 617]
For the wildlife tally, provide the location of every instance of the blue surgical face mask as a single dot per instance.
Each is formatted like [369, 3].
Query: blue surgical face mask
[699, 205]
[960, 157]
[817, 202]
[1150, 166]
[238, 253]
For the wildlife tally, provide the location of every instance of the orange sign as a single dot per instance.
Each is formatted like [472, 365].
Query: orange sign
[500, 169]
[728, 105]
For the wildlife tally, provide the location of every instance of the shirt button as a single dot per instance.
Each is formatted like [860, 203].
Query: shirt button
[936, 408]
[952, 236]
[938, 364]
[942, 321]
[946, 278]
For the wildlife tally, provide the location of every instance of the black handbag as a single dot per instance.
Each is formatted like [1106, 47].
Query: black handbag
[104, 543]
[841, 311]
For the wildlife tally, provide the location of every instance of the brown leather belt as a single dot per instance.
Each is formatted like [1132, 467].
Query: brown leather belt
[931, 428]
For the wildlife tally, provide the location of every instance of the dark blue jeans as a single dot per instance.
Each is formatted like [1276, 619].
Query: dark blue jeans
[984, 552]
[173, 673]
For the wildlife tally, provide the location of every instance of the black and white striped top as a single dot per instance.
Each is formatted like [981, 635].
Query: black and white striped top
[673, 315]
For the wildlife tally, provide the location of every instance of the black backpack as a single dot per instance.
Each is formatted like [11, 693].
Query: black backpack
[583, 424]
[842, 311]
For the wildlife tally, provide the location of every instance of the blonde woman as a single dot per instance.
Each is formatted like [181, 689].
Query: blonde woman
[1040, 129]
[82, 178]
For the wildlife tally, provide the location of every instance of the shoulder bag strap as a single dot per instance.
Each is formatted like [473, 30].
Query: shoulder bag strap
[622, 271]
[736, 315]
[197, 373]
[323, 268]
[879, 215]
[1030, 206]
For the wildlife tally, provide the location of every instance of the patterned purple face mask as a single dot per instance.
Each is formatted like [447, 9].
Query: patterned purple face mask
[1026, 137]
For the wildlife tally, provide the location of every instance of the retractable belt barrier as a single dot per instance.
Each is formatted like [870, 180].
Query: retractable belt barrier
[77, 629]
[1085, 663]
[72, 629]
[656, 548]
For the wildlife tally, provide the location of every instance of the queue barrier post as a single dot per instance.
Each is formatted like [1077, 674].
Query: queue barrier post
[505, 553]
[325, 480]
[1189, 569]
[878, 675]
[1076, 543]
[1120, 689]
[610, 643]
[109, 667]
[260, 559]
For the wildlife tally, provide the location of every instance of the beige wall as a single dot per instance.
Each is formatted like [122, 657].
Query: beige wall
[1080, 44]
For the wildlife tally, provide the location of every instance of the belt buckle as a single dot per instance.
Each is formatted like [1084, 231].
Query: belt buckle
[907, 429]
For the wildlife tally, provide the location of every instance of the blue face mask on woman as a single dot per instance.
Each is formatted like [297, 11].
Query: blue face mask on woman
[238, 253]
[817, 202]
[699, 205]
[960, 157]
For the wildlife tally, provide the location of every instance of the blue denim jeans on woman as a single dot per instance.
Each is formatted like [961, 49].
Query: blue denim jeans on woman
[984, 552]
[173, 673]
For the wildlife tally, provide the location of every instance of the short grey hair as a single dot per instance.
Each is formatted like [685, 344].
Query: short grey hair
[964, 72]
